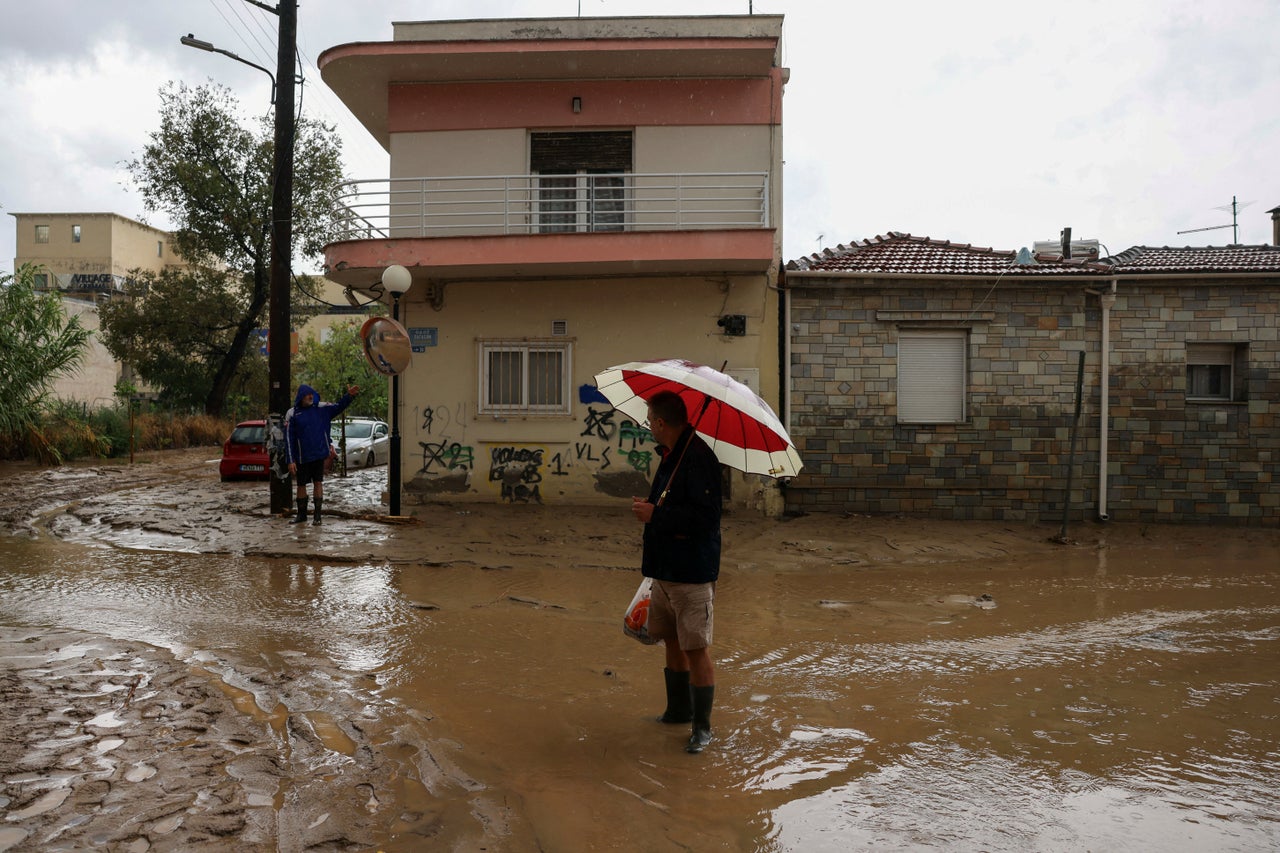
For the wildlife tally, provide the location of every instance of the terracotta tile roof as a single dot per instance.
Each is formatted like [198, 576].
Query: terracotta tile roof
[906, 254]
[898, 253]
[1191, 259]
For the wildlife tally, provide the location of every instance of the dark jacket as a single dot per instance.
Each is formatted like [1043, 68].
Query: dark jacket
[306, 431]
[682, 540]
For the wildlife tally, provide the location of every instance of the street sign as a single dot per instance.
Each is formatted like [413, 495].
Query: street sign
[423, 337]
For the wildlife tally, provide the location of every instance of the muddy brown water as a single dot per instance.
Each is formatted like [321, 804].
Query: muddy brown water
[1120, 693]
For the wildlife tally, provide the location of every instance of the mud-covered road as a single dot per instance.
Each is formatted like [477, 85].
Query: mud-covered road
[178, 671]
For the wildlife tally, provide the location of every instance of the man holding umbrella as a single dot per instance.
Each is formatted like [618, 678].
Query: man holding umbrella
[681, 520]
[681, 516]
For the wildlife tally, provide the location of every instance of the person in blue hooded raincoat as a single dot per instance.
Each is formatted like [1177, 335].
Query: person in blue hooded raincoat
[306, 442]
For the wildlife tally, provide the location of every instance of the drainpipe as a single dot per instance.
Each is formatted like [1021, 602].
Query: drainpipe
[784, 347]
[1106, 300]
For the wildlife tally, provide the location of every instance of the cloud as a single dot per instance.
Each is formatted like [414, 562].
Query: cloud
[993, 122]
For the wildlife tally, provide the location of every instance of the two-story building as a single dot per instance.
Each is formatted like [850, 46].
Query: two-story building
[568, 195]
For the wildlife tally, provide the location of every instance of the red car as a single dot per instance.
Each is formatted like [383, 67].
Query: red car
[244, 454]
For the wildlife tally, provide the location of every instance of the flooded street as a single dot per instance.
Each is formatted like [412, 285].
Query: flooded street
[180, 676]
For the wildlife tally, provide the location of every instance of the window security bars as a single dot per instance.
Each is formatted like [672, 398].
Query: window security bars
[524, 377]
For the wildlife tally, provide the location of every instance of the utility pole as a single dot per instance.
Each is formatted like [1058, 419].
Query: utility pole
[278, 337]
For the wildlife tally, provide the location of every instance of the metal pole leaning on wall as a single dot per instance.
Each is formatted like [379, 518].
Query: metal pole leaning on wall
[1071, 459]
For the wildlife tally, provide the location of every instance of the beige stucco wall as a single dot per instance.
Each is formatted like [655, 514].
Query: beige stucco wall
[453, 453]
[95, 380]
[546, 29]
[505, 151]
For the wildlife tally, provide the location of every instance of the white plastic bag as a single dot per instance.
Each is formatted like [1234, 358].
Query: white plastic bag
[635, 622]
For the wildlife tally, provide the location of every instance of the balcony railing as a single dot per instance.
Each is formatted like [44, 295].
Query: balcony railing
[550, 204]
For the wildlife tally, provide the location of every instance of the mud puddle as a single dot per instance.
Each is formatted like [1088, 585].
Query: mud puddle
[879, 685]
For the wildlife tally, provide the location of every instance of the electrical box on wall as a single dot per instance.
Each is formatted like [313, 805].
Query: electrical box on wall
[749, 376]
[734, 325]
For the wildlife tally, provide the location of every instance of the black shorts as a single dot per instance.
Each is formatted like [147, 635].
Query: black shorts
[310, 472]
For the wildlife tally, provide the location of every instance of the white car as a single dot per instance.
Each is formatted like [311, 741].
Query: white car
[368, 441]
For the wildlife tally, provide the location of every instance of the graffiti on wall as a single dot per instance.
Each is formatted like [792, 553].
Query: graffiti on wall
[610, 446]
[445, 456]
[599, 424]
[518, 471]
[441, 420]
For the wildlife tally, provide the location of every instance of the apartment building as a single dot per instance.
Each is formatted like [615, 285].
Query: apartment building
[87, 258]
[568, 195]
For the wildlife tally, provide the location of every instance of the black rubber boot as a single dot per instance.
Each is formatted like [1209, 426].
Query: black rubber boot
[316, 518]
[703, 698]
[302, 512]
[679, 698]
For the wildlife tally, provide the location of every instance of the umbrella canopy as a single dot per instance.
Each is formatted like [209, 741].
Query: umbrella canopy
[739, 426]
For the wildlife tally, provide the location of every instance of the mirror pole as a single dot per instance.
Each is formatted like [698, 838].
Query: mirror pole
[393, 484]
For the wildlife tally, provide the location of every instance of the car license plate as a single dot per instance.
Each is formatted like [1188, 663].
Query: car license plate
[253, 468]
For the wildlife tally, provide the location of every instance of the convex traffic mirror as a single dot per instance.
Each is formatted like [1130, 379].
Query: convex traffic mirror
[386, 345]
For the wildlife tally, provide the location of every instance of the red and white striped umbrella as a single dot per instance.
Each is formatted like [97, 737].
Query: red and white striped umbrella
[739, 426]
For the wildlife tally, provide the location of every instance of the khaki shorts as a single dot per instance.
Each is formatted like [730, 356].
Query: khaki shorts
[685, 611]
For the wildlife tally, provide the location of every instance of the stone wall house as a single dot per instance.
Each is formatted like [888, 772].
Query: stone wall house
[938, 379]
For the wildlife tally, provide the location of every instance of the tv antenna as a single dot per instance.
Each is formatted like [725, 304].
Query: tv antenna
[1234, 207]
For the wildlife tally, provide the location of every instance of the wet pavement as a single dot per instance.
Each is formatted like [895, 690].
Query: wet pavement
[180, 672]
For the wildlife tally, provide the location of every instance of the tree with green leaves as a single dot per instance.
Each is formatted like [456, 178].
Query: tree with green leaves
[177, 328]
[338, 362]
[38, 344]
[213, 177]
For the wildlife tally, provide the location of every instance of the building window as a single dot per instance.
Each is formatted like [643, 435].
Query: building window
[75, 233]
[525, 377]
[41, 281]
[1214, 372]
[159, 248]
[42, 233]
[582, 181]
[932, 376]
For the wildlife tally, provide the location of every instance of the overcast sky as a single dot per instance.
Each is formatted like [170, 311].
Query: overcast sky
[992, 123]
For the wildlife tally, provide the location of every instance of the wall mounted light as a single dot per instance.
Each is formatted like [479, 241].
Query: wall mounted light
[577, 104]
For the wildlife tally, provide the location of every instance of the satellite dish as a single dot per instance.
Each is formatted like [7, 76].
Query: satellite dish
[386, 345]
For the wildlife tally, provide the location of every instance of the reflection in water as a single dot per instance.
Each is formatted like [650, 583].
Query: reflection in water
[346, 614]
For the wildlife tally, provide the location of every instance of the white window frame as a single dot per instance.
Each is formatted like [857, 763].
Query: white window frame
[1205, 360]
[933, 376]
[524, 346]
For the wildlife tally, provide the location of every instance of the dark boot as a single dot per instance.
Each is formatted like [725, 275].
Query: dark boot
[316, 518]
[703, 697]
[302, 511]
[679, 698]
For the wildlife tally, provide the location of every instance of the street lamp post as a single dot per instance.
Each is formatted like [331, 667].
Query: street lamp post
[191, 41]
[397, 280]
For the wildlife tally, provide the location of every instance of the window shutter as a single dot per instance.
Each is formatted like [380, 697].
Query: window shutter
[931, 376]
[1210, 353]
[570, 153]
